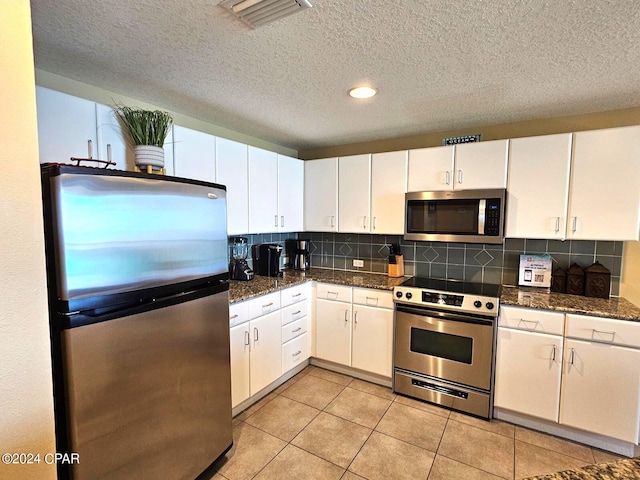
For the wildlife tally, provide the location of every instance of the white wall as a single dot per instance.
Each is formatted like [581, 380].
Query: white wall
[26, 397]
[630, 282]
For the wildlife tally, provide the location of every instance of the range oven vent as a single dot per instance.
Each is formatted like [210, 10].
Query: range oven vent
[260, 12]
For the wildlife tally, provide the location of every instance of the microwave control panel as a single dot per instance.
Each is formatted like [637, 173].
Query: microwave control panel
[492, 217]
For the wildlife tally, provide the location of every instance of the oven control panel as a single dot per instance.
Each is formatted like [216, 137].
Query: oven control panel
[451, 301]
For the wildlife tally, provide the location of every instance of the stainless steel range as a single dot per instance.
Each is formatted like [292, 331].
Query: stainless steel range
[444, 343]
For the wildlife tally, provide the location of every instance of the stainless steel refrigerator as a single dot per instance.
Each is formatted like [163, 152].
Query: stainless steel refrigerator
[137, 269]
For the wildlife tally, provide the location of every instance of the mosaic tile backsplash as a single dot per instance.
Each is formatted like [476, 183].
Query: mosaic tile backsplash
[460, 261]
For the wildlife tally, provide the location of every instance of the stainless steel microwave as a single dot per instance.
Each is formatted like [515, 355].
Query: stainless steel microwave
[469, 216]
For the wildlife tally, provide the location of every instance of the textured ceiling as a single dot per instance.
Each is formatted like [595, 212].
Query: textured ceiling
[438, 64]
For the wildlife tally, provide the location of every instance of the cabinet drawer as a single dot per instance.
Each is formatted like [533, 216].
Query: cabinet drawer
[295, 352]
[532, 320]
[373, 298]
[603, 330]
[328, 291]
[294, 312]
[294, 294]
[238, 313]
[295, 329]
[264, 304]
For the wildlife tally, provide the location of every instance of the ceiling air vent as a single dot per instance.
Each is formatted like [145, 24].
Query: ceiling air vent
[260, 12]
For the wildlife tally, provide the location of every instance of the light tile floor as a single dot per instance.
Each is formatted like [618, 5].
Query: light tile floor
[324, 425]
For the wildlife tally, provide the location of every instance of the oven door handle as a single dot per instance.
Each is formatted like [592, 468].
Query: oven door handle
[440, 315]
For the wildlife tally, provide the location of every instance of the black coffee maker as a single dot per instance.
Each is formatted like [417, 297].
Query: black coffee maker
[302, 257]
[239, 267]
[267, 259]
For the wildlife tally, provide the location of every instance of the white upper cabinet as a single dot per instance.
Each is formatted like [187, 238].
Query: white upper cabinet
[232, 171]
[263, 191]
[430, 169]
[111, 138]
[467, 166]
[481, 165]
[290, 194]
[605, 185]
[66, 126]
[194, 154]
[388, 184]
[538, 188]
[321, 195]
[354, 193]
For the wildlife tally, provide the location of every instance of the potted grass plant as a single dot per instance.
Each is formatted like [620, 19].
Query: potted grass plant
[146, 130]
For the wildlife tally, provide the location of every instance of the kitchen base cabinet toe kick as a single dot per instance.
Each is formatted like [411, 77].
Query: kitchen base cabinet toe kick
[575, 376]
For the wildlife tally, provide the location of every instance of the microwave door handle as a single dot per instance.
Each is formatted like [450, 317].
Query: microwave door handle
[482, 207]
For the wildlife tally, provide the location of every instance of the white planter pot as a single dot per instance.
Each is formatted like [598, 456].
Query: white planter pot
[149, 155]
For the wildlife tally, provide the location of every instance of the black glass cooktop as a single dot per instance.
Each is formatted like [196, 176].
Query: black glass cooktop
[454, 286]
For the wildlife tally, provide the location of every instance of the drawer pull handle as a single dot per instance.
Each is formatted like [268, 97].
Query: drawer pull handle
[268, 305]
[572, 356]
[296, 330]
[374, 300]
[329, 292]
[297, 353]
[296, 295]
[534, 322]
[296, 313]
[605, 332]
[246, 338]
[232, 317]
[553, 354]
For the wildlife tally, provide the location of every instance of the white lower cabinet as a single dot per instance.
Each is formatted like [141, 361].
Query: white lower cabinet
[600, 389]
[266, 352]
[333, 331]
[358, 336]
[372, 340]
[240, 351]
[528, 371]
[266, 340]
[587, 379]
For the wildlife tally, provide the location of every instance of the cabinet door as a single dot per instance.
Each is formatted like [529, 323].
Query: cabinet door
[333, 331]
[528, 370]
[240, 353]
[481, 165]
[110, 137]
[194, 154]
[290, 194]
[263, 191]
[232, 171]
[65, 126]
[266, 351]
[600, 389]
[605, 185]
[321, 195]
[372, 340]
[430, 169]
[538, 189]
[388, 184]
[354, 193]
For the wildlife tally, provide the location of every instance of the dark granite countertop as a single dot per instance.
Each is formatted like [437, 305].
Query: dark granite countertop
[627, 469]
[260, 285]
[615, 307]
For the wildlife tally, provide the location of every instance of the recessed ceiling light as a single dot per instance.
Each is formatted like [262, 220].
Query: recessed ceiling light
[362, 92]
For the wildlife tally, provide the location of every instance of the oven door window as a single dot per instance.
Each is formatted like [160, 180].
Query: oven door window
[442, 345]
[458, 216]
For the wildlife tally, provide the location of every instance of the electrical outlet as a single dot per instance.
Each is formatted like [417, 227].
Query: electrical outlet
[358, 263]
